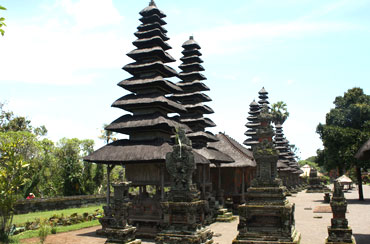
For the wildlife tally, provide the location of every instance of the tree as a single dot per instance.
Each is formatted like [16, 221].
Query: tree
[347, 128]
[2, 21]
[73, 171]
[279, 112]
[16, 152]
[10, 122]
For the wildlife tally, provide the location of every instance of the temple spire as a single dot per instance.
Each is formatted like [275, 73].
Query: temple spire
[152, 3]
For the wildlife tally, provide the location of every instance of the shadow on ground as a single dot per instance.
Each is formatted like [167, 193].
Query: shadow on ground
[362, 238]
[356, 201]
[90, 234]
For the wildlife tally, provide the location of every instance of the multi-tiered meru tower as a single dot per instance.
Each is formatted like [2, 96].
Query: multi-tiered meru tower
[147, 124]
[193, 98]
[267, 217]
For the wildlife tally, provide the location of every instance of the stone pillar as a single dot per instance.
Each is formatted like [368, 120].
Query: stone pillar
[339, 231]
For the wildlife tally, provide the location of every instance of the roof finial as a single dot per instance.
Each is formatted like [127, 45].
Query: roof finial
[152, 3]
[191, 37]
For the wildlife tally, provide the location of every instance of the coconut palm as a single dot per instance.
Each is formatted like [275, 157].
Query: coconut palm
[279, 112]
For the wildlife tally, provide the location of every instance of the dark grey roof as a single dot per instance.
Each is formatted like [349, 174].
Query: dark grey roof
[132, 102]
[214, 155]
[191, 43]
[130, 123]
[129, 151]
[242, 156]
[135, 85]
[152, 9]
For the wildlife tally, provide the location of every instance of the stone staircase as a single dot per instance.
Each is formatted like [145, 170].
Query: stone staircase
[223, 215]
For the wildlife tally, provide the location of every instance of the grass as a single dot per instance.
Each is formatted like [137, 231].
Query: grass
[60, 229]
[23, 218]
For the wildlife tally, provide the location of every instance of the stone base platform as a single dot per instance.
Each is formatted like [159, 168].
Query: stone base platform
[203, 236]
[353, 241]
[340, 236]
[267, 239]
[121, 236]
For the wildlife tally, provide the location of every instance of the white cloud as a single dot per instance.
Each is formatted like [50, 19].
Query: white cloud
[90, 14]
[237, 38]
[60, 53]
[290, 82]
[256, 80]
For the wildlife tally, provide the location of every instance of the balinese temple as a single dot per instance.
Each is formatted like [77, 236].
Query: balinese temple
[296, 170]
[233, 178]
[147, 123]
[252, 124]
[284, 171]
[192, 98]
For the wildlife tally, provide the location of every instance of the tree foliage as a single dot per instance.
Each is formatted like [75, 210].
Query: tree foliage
[347, 128]
[16, 153]
[2, 22]
[279, 112]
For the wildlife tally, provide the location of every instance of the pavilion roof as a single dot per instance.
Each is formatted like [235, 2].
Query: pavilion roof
[241, 155]
[130, 151]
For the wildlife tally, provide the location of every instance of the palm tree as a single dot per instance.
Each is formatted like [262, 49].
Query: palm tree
[279, 112]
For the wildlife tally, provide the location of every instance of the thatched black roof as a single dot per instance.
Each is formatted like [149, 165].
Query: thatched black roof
[152, 18]
[150, 26]
[364, 152]
[201, 135]
[130, 151]
[195, 97]
[133, 102]
[214, 155]
[152, 9]
[151, 52]
[150, 42]
[136, 68]
[143, 84]
[129, 124]
[242, 156]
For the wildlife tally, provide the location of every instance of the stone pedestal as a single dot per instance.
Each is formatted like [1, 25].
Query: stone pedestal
[339, 232]
[184, 212]
[121, 236]
[315, 184]
[267, 217]
[114, 222]
[183, 224]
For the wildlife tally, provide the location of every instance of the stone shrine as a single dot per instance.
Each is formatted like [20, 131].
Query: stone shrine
[114, 223]
[339, 231]
[315, 184]
[184, 211]
[267, 217]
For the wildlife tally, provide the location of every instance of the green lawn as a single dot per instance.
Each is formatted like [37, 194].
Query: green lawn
[60, 229]
[23, 218]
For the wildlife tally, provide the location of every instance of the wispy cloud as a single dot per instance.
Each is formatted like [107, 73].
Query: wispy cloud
[55, 51]
[237, 38]
[256, 80]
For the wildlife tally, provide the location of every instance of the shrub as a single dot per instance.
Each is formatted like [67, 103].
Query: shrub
[43, 230]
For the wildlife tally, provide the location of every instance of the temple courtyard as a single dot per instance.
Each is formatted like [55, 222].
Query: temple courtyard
[311, 214]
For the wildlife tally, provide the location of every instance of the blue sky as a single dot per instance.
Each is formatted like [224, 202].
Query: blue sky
[60, 60]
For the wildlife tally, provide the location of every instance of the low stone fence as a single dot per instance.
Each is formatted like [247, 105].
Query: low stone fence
[56, 203]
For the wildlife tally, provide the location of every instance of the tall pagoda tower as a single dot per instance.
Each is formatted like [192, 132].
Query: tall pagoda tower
[147, 124]
[267, 217]
[192, 98]
[252, 124]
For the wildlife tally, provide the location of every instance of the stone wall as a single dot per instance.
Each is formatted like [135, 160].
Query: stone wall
[56, 203]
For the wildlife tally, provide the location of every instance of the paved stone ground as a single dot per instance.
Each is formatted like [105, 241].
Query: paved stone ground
[313, 230]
